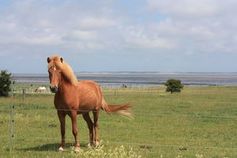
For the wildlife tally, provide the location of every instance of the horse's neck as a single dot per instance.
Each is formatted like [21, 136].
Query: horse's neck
[66, 85]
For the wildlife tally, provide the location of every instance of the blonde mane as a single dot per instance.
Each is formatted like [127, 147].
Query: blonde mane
[65, 68]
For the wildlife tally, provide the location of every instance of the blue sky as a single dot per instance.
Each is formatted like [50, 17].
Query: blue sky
[119, 35]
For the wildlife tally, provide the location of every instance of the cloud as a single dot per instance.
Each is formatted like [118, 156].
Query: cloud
[205, 26]
[55, 24]
[93, 23]
[152, 27]
[138, 37]
[200, 26]
[185, 8]
[77, 35]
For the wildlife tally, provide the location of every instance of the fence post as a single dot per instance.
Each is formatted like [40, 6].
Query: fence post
[24, 94]
[12, 128]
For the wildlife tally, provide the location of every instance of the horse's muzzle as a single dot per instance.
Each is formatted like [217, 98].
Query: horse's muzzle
[54, 89]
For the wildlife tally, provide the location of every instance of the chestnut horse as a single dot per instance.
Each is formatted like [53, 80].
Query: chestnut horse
[74, 97]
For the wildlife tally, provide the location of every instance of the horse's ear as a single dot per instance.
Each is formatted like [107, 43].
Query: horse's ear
[48, 60]
[61, 59]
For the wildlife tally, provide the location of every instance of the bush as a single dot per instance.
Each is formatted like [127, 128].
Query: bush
[173, 85]
[5, 83]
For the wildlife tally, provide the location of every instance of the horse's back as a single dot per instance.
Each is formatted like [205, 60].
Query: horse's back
[89, 84]
[90, 95]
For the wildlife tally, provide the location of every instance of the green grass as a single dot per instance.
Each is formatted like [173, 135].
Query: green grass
[199, 122]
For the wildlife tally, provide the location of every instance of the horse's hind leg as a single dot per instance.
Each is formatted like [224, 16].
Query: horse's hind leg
[96, 128]
[89, 122]
[61, 116]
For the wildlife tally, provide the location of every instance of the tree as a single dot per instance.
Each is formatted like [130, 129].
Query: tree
[173, 85]
[5, 83]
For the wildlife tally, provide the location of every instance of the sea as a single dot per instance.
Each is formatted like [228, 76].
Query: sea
[141, 79]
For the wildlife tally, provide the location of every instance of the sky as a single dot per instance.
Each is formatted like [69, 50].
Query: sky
[119, 35]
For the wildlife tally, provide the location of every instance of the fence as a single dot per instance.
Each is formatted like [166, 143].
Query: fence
[31, 125]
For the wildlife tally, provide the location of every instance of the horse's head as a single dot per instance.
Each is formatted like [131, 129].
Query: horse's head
[54, 75]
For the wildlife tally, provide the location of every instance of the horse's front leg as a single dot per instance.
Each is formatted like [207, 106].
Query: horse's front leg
[74, 129]
[61, 116]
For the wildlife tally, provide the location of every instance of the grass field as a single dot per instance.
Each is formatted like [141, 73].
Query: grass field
[199, 122]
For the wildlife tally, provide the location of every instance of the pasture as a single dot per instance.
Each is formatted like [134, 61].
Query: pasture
[199, 122]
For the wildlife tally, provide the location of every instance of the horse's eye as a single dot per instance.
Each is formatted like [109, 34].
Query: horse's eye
[48, 60]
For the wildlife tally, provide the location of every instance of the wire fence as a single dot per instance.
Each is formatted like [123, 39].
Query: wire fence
[25, 127]
[34, 89]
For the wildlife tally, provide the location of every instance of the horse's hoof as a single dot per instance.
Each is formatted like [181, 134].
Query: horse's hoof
[60, 149]
[97, 143]
[89, 145]
[77, 149]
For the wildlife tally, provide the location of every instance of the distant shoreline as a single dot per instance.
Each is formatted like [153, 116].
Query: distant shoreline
[141, 78]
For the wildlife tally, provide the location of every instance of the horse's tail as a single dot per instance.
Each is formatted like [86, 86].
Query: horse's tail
[123, 109]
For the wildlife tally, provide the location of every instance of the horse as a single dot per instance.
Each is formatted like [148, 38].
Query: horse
[40, 89]
[73, 97]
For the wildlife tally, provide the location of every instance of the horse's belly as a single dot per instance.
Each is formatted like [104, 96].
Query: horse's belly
[87, 107]
[88, 101]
